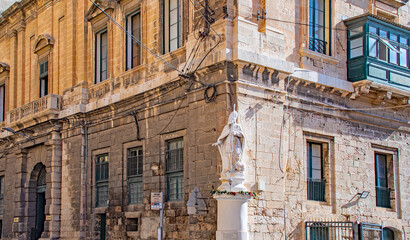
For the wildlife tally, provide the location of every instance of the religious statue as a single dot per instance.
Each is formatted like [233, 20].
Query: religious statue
[231, 144]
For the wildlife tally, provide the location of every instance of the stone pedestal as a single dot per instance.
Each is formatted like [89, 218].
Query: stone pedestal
[232, 217]
[232, 209]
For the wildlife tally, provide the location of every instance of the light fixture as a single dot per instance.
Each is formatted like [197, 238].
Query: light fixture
[364, 194]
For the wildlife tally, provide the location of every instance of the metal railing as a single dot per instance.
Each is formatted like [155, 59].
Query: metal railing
[317, 45]
[316, 189]
[329, 230]
[383, 197]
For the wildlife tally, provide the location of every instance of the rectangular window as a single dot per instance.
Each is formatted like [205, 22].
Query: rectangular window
[101, 180]
[174, 160]
[319, 22]
[382, 190]
[2, 102]
[43, 78]
[315, 182]
[134, 175]
[172, 25]
[1, 195]
[101, 53]
[132, 224]
[133, 48]
[372, 47]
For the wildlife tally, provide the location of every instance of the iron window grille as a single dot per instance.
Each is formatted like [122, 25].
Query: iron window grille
[133, 49]
[315, 183]
[43, 78]
[134, 175]
[174, 159]
[329, 230]
[101, 179]
[318, 18]
[382, 190]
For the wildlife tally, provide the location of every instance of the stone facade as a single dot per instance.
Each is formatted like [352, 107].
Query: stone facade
[287, 96]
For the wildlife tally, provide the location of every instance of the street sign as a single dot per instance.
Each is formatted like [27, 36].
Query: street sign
[156, 201]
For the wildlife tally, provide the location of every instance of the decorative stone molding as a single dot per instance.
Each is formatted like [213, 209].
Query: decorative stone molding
[44, 42]
[360, 88]
[4, 68]
[107, 5]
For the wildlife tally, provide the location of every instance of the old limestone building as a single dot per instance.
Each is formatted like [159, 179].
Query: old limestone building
[103, 104]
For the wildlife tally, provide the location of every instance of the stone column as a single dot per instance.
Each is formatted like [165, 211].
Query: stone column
[20, 199]
[53, 193]
[232, 209]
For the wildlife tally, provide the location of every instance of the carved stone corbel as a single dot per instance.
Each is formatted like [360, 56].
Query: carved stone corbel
[381, 97]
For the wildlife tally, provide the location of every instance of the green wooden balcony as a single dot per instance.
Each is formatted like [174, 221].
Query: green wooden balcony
[378, 50]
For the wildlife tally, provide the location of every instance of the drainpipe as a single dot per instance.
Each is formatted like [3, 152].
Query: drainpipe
[84, 154]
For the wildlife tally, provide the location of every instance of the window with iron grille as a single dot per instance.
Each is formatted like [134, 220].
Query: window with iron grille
[172, 25]
[132, 224]
[1, 194]
[133, 48]
[315, 181]
[382, 189]
[44, 78]
[101, 55]
[134, 175]
[2, 102]
[101, 179]
[174, 160]
[319, 23]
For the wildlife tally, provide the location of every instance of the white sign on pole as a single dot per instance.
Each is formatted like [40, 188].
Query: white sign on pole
[156, 201]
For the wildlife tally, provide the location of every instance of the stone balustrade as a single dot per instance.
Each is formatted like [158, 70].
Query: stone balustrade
[48, 104]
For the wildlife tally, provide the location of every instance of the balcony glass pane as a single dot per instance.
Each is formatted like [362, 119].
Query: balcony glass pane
[392, 56]
[382, 51]
[372, 30]
[403, 57]
[403, 40]
[393, 37]
[383, 34]
[372, 47]
[356, 47]
[355, 31]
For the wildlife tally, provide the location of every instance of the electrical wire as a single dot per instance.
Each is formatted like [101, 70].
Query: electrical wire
[210, 26]
[138, 41]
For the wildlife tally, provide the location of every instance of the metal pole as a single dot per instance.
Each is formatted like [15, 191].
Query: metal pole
[162, 217]
[284, 219]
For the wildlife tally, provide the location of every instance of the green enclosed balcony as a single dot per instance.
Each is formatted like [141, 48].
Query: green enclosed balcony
[378, 50]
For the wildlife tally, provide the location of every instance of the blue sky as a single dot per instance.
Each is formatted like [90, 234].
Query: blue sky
[4, 4]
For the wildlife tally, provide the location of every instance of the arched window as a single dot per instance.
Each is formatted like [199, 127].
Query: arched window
[388, 234]
[41, 181]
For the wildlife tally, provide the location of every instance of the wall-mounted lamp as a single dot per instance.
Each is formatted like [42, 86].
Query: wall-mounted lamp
[364, 194]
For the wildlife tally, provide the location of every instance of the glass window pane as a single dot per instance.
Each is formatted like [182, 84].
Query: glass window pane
[173, 4]
[372, 47]
[357, 52]
[393, 37]
[403, 57]
[382, 51]
[356, 30]
[403, 40]
[383, 34]
[392, 56]
[372, 29]
[358, 42]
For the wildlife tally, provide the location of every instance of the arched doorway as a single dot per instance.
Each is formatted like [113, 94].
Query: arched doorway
[40, 203]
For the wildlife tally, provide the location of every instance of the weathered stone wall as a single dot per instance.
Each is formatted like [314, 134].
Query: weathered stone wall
[277, 155]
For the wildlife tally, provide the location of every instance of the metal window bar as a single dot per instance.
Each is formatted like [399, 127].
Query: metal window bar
[317, 45]
[102, 194]
[383, 197]
[135, 190]
[370, 231]
[329, 230]
[175, 160]
[316, 189]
